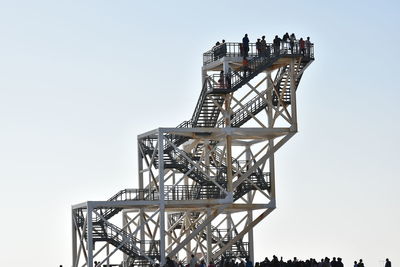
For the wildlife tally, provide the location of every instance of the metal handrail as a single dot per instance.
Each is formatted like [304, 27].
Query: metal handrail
[236, 50]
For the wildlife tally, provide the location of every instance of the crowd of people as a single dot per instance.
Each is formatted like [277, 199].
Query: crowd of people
[274, 262]
[262, 48]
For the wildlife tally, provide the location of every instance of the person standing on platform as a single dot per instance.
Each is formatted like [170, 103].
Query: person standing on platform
[292, 43]
[285, 40]
[388, 263]
[223, 48]
[245, 42]
[302, 45]
[263, 46]
[228, 77]
[277, 44]
[221, 80]
[258, 47]
[308, 46]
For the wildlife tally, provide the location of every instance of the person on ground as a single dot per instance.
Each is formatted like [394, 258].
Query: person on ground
[339, 262]
[249, 263]
[388, 263]
[193, 261]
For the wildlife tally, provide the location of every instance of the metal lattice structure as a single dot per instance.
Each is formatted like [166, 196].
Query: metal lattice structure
[205, 184]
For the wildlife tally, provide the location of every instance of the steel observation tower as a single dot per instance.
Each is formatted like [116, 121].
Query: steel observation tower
[206, 183]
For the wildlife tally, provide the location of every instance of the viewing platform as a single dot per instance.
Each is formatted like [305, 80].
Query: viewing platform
[234, 52]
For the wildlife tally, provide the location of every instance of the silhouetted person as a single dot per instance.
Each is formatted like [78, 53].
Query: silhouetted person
[263, 45]
[339, 262]
[326, 262]
[245, 42]
[275, 261]
[360, 263]
[193, 261]
[221, 80]
[258, 47]
[228, 77]
[276, 44]
[169, 262]
[388, 263]
[308, 46]
[249, 263]
[285, 40]
[265, 262]
[292, 42]
[217, 51]
[355, 264]
[334, 262]
[302, 45]
[211, 264]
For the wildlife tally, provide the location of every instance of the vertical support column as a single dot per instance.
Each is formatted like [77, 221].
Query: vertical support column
[141, 196]
[269, 92]
[250, 211]
[272, 174]
[89, 244]
[108, 253]
[162, 198]
[124, 222]
[209, 233]
[74, 239]
[229, 226]
[293, 94]
[228, 145]
[271, 142]
[229, 163]
[189, 244]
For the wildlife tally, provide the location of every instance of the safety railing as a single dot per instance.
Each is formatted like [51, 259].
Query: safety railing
[135, 194]
[200, 101]
[228, 50]
[184, 192]
[237, 50]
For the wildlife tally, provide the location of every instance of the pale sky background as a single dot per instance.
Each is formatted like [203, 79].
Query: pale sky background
[79, 80]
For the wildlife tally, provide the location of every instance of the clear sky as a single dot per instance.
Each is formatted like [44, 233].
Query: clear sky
[79, 80]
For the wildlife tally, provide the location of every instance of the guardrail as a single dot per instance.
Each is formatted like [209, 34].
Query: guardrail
[237, 50]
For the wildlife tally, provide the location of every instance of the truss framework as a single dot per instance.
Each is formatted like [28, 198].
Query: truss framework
[204, 185]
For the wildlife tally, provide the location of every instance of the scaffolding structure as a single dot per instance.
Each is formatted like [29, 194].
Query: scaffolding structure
[205, 184]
